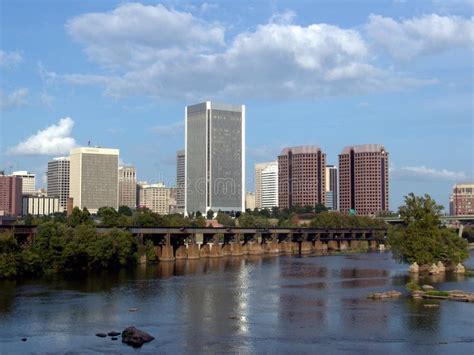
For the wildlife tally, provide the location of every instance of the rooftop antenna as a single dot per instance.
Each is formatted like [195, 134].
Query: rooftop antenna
[89, 143]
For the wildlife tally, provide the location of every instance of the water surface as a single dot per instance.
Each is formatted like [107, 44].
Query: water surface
[252, 304]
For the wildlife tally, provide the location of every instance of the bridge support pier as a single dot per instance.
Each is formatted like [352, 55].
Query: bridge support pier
[167, 253]
[216, 250]
[364, 244]
[193, 250]
[343, 245]
[274, 247]
[181, 253]
[332, 245]
[354, 244]
[373, 245]
[306, 247]
[236, 248]
[318, 245]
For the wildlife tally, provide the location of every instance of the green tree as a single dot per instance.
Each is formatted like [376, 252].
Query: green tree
[9, 249]
[80, 217]
[421, 238]
[150, 252]
[125, 211]
[108, 216]
[210, 214]
[225, 219]
[49, 243]
[320, 208]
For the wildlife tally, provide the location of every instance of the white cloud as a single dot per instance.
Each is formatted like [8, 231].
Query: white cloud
[164, 53]
[55, 139]
[425, 173]
[425, 35]
[16, 98]
[170, 130]
[10, 59]
[134, 34]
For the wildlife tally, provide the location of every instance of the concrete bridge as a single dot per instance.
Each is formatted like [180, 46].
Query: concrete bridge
[172, 243]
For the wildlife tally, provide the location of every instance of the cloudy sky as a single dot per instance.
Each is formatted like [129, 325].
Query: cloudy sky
[330, 73]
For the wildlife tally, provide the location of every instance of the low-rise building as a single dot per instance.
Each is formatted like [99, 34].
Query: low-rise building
[40, 205]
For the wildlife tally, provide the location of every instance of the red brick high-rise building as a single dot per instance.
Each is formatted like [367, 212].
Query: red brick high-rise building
[301, 176]
[461, 201]
[363, 179]
[10, 195]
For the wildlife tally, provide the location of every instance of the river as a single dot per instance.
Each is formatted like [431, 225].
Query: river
[268, 304]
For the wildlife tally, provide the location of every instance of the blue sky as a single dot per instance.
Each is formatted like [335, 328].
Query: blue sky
[330, 73]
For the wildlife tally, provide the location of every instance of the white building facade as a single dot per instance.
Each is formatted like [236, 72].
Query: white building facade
[28, 181]
[40, 205]
[58, 179]
[266, 185]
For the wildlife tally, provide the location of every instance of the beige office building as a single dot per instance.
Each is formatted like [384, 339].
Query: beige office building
[127, 186]
[94, 178]
[28, 182]
[155, 197]
[250, 201]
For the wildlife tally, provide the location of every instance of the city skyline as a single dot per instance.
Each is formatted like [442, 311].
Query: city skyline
[418, 121]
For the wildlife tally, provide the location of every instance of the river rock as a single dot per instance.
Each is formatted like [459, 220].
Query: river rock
[101, 335]
[415, 268]
[418, 295]
[135, 337]
[433, 270]
[113, 334]
[427, 287]
[459, 269]
[441, 266]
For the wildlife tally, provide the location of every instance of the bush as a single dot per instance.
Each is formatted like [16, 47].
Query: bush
[412, 286]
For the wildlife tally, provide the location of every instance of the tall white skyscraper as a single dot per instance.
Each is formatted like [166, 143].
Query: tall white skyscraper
[266, 184]
[215, 157]
[58, 179]
[94, 178]
[180, 177]
[332, 187]
[28, 181]
[269, 186]
[127, 186]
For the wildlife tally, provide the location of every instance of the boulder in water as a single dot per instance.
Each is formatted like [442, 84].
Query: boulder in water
[135, 337]
[441, 266]
[415, 268]
[433, 270]
[459, 269]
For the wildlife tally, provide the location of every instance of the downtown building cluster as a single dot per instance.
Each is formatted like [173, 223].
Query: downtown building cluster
[301, 177]
[210, 176]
